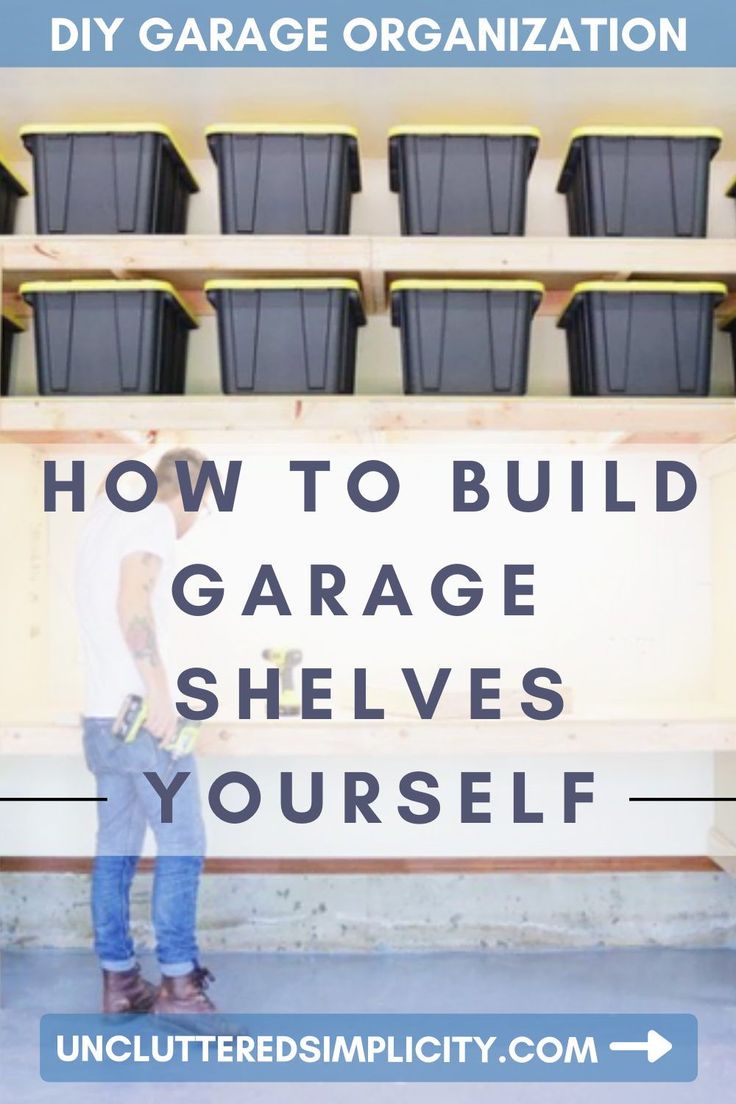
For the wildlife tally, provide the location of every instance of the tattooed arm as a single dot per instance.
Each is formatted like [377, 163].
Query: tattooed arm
[139, 574]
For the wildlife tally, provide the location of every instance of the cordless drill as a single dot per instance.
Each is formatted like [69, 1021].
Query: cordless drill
[132, 718]
[286, 659]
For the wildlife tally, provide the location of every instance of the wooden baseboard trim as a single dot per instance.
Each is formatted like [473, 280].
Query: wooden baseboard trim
[653, 864]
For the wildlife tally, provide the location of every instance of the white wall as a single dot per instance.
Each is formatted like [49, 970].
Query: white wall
[372, 100]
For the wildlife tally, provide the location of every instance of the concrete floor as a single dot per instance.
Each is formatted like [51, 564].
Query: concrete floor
[702, 982]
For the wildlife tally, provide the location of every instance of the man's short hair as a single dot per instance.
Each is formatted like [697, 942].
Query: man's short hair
[166, 472]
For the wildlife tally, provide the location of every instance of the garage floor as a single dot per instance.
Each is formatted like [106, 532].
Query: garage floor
[700, 982]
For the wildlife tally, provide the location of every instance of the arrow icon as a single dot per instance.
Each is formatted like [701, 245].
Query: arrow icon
[656, 1046]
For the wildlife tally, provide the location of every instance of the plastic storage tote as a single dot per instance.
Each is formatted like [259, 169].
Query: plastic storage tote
[109, 337]
[729, 326]
[640, 338]
[461, 180]
[732, 190]
[118, 179]
[287, 336]
[11, 327]
[465, 337]
[285, 179]
[11, 190]
[646, 182]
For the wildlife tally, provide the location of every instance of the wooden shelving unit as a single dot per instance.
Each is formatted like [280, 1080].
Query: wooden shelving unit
[706, 423]
[559, 263]
[189, 261]
[397, 738]
[188, 103]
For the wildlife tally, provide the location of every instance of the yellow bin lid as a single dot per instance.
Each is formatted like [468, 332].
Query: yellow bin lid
[31, 129]
[45, 287]
[281, 128]
[646, 132]
[306, 283]
[465, 285]
[645, 287]
[13, 319]
[465, 129]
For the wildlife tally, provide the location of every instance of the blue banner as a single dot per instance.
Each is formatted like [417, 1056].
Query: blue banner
[370, 1048]
[416, 33]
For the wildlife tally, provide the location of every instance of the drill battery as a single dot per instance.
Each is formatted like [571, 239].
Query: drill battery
[132, 718]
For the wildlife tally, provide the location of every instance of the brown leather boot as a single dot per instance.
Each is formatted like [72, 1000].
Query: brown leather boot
[126, 991]
[185, 993]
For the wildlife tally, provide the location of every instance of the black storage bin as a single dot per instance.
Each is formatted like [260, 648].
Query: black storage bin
[11, 190]
[285, 179]
[11, 327]
[640, 338]
[109, 337]
[118, 179]
[729, 326]
[465, 337]
[462, 180]
[732, 190]
[287, 337]
[645, 182]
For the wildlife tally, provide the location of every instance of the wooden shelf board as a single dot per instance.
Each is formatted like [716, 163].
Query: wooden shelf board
[558, 262]
[349, 419]
[188, 261]
[513, 737]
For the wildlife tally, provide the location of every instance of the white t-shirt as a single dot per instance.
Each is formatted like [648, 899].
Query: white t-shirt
[109, 536]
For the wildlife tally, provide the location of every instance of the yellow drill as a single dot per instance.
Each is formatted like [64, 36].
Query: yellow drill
[132, 718]
[286, 659]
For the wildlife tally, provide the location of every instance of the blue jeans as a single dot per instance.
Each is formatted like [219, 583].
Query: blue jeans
[132, 805]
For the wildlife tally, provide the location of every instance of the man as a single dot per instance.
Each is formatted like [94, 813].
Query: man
[124, 569]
